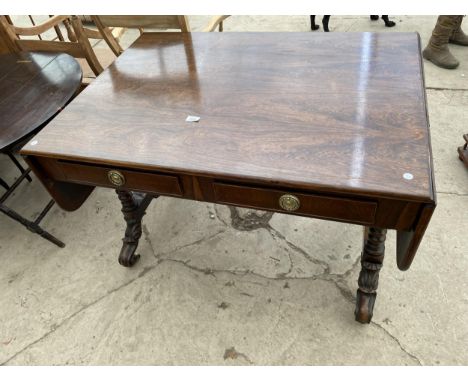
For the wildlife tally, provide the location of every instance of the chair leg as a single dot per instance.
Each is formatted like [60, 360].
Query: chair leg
[108, 36]
[4, 184]
[33, 226]
[18, 164]
[86, 46]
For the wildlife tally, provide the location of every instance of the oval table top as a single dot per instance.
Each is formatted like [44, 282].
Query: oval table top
[33, 88]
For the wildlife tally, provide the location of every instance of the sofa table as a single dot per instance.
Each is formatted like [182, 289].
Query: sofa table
[329, 126]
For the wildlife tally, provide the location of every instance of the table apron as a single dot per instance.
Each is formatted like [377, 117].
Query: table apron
[61, 176]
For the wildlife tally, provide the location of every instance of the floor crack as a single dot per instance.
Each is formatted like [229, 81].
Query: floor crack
[344, 291]
[335, 279]
[276, 234]
[451, 89]
[196, 242]
[451, 193]
[338, 280]
[83, 308]
[412, 356]
[352, 25]
[148, 240]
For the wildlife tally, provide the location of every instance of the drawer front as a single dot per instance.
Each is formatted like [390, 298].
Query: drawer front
[336, 208]
[120, 178]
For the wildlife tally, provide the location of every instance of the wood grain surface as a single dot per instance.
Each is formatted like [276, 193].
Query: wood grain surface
[326, 112]
[33, 88]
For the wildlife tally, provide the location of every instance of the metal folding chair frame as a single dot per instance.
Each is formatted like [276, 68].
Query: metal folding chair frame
[31, 225]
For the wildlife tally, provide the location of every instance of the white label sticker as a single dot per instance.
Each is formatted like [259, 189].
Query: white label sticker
[408, 176]
[192, 118]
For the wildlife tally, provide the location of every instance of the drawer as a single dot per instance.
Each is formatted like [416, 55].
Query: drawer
[329, 207]
[119, 178]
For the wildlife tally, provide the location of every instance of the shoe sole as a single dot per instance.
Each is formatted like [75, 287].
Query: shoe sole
[457, 43]
[439, 64]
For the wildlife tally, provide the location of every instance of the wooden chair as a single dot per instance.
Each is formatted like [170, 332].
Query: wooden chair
[80, 48]
[6, 44]
[104, 23]
[92, 33]
[216, 21]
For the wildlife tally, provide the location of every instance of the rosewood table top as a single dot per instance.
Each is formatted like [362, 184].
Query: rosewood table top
[332, 112]
[331, 126]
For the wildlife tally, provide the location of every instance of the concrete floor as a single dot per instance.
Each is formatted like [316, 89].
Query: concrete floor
[225, 286]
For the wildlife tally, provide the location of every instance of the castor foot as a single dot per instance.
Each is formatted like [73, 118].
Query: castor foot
[364, 306]
[127, 256]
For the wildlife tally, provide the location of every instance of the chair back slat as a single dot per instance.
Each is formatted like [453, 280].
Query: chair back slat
[72, 48]
[39, 29]
[146, 21]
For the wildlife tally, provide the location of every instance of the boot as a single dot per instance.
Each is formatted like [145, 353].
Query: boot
[458, 37]
[437, 50]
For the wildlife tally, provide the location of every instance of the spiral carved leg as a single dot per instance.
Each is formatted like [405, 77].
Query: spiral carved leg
[133, 207]
[371, 262]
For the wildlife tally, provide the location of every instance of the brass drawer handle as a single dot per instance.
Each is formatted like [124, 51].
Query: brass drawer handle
[116, 178]
[289, 202]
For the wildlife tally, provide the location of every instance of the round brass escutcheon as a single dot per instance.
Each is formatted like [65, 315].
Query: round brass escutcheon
[289, 202]
[116, 178]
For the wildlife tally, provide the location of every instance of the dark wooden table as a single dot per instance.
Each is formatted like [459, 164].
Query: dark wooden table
[34, 87]
[331, 126]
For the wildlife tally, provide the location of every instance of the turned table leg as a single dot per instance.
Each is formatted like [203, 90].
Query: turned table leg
[133, 207]
[371, 261]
